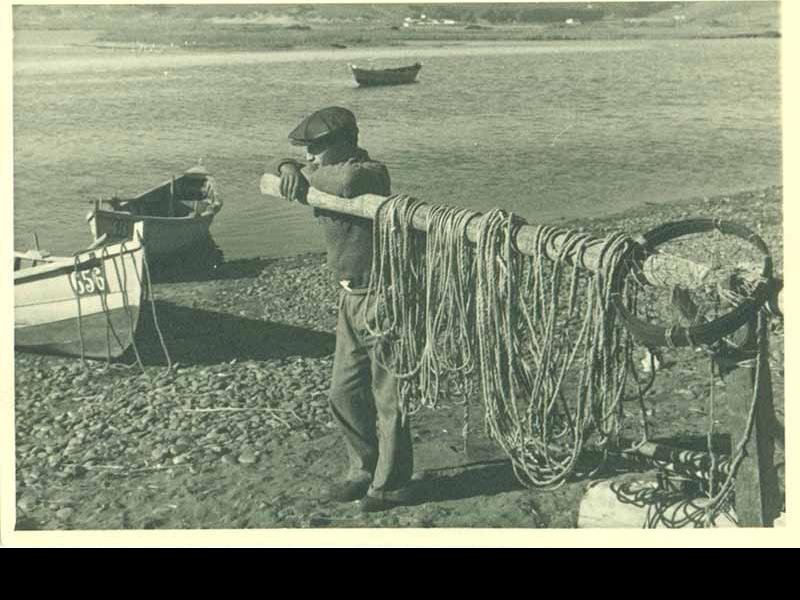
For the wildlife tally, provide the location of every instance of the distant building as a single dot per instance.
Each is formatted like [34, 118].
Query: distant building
[426, 22]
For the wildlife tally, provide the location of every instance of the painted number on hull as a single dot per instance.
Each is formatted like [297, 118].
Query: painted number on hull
[90, 281]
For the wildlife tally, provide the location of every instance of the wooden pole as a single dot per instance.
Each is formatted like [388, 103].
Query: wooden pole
[37, 248]
[658, 270]
[695, 461]
[172, 197]
[758, 497]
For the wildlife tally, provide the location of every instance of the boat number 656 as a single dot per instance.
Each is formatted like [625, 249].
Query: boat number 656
[89, 281]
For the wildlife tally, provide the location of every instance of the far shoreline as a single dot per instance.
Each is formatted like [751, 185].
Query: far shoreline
[334, 38]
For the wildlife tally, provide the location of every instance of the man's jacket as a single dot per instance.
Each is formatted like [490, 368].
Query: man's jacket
[348, 239]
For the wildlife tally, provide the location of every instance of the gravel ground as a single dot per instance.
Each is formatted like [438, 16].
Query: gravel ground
[238, 435]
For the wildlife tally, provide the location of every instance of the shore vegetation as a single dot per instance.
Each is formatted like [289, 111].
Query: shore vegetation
[275, 27]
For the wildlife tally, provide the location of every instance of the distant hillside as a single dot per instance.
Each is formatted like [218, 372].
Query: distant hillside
[732, 14]
[282, 27]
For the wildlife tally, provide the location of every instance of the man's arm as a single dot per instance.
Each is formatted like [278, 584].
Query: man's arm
[351, 179]
[274, 166]
[294, 185]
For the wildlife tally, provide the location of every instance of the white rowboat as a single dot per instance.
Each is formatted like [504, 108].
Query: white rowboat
[83, 305]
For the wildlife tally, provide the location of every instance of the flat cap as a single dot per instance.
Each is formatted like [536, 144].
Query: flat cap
[322, 123]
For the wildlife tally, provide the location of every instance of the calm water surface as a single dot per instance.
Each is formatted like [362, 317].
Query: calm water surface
[548, 130]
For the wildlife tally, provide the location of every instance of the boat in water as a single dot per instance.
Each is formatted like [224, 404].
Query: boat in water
[83, 305]
[176, 214]
[393, 76]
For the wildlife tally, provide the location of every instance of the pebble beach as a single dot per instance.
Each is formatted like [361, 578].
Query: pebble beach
[238, 434]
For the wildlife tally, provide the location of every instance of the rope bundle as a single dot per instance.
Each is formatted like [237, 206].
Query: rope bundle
[397, 292]
[541, 334]
[450, 313]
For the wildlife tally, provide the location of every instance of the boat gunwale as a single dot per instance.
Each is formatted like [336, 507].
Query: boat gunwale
[215, 206]
[84, 258]
[126, 216]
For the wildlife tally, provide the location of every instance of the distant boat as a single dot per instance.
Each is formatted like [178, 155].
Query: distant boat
[83, 305]
[395, 76]
[176, 214]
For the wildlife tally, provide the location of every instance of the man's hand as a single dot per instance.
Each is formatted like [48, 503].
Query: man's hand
[294, 185]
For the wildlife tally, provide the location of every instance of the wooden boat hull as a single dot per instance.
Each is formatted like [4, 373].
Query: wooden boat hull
[87, 306]
[162, 236]
[397, 76]
[175, 215]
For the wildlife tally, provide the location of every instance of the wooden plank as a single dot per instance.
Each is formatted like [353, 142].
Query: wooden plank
[172, 197]
[39, 255]
[757, 494]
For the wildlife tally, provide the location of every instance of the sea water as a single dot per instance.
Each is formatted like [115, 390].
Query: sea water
[550, 130]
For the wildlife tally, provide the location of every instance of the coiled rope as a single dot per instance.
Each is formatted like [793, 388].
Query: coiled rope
[538, 339]
[449, 313]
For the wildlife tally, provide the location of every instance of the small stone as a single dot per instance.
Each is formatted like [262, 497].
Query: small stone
[26, 503]
[74, 471]
[180, 459]
[177, 449]
[65, 513]
[248, 457]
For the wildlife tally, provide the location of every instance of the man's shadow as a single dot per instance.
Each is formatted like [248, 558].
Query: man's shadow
[195, 336]
[488, 479]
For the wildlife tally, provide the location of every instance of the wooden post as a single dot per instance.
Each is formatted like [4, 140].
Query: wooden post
[172, 197]
[757, 495]
[36, 246]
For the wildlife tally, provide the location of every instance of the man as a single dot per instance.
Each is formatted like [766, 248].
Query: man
[364, 396]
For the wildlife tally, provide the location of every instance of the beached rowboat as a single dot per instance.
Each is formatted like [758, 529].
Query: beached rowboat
[82, 305]
[176, 214]
[394, 76]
